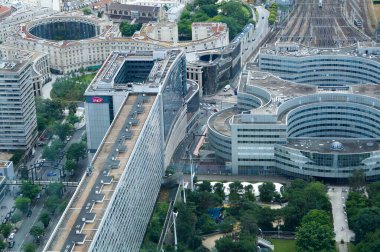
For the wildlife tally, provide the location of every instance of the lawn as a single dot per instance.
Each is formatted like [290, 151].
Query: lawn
[281, 245]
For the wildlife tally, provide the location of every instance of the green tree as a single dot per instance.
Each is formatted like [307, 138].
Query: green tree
[357, 181]
[207, 224]
[219, 190]
[29, 247]
[235, 187]
[227, 224]
[205, 186]
[86, 11]
[52, 152]
[37, 232]
[52, 203]
[62, 130]
[76, 151]
[211, 10]
[29, 190]
[6, 229]
[3, 245]
[128, 29]
[367, 220]
[267, 191]
[71, 165]
[371, 242]
[54, 189]
[22, 203]
[16, 217]
[248, 223]
[45, 219]
[315, 235]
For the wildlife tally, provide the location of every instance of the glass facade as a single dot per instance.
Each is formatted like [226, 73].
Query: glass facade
[174, 91]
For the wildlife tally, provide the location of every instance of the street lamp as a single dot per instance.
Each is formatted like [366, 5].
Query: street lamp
[175, 229]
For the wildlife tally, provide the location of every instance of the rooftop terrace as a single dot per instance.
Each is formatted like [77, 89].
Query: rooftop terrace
[84, 213]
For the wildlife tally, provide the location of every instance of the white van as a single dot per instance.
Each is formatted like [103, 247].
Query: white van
[226, 88]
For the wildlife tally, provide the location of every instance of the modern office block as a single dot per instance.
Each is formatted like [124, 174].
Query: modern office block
[18, 122]
[137, 113]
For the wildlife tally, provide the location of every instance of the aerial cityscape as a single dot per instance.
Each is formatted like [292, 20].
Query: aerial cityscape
[190, 125]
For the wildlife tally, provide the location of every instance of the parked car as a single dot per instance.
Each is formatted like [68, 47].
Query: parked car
[29, 213]
[51, 174]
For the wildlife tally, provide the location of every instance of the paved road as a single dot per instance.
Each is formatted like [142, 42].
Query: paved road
[22, 236]
[46, 89]
[338, 196]
[247, 178]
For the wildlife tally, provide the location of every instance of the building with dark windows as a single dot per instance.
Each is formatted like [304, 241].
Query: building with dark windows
[138, 109]
[141, 13]
[18, 120]
[320, 118]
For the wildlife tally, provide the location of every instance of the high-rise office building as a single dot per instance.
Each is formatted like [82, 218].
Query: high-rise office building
[138, 109]
[18, 121]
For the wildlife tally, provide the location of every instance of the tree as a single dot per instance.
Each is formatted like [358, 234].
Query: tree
[6, 229]
[62, 130]
[52, 152]
[70, 165]
[205, 186]
[76, 151]
[45, 219]
[54, 189]
[235, 187]
[210, 10]
[248, 223]
[16, 217]
[219, 189]
[207, 224]
[227, 224]
[29, 247]
[29, 190]
[128, 29]
[367, 220]
[357, 181]
[52, 203]
[22, 203]
[267, 191]
[86, 11]
[315, 233]
[37, 232]
[371, 242]
[3, 245]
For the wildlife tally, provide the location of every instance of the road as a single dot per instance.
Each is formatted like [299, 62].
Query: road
[262, 29]
[46, 89]
[338, 196]
[22, 236]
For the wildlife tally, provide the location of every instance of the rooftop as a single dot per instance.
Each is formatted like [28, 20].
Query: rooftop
[105, 78]
[4, 164]
[220, 121]
[346, 146]
[297, 50]
[83, 215]
[11, 66]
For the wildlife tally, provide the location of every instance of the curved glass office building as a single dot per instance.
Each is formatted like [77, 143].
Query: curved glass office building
[320, 128]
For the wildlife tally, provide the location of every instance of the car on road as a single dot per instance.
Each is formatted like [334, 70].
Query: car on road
[51, 174]
[13, 209]
[29, 213]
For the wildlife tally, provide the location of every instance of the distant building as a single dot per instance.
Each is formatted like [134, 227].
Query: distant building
[18, 121]
[305, 113]
[4, 11]
[40, 65]
[6, 169]
[127, 12]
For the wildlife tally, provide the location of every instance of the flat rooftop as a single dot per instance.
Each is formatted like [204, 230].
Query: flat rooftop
[82, 217]
[4, 164]
[11, 66]
[105, 78]
[304, 51]
[321, 145]
[220, 121]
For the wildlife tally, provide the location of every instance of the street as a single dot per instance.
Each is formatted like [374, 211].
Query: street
[338, 196]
